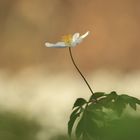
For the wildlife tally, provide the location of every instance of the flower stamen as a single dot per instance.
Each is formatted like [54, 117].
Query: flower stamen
[67, 39]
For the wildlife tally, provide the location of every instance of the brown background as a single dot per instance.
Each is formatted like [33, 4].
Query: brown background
[113, 43]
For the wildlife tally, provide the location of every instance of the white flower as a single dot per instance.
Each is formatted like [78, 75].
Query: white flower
[68, 41]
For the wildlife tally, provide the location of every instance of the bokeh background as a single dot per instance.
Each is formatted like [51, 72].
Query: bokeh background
[41, 83]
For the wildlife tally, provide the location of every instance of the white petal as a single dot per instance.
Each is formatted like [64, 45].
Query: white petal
[75, 36]
[79, 39]
[76, 42]
[57, 45]
[84, 35]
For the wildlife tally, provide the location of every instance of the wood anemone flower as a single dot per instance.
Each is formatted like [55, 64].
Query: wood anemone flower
[68, 41]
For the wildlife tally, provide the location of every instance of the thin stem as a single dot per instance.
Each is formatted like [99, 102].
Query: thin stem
[80, 71]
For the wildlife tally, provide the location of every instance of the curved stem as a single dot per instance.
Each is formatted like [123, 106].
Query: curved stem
[80, 71]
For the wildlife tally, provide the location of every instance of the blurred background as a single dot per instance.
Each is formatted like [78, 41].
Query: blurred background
[40, 84]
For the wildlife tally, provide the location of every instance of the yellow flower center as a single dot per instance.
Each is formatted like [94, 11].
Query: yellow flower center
[67, 39]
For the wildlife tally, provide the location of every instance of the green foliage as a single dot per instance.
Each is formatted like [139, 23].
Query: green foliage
[79, 102]
[73, 117]
[97, 95]
[59, 137]
[96, 115]
[17, 127]
[125, 128]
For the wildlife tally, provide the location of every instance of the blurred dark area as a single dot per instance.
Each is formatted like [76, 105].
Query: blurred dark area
[14, 126]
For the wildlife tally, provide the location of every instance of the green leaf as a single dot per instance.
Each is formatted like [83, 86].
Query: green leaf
[87, 126]
[136, 100]
[96, 114]
[126, 98]
[119, 105]
[103, 101]
[79, 128]
[133, 105]
[95, 117]
[91, 128]
[108, 101]
[95, 106]
[74, 112]
[112, 96]
[79, 102]
[97, 95]
[132, 101]
[73, 117]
